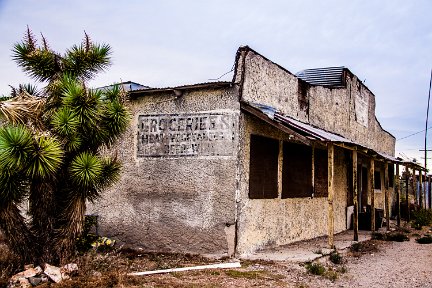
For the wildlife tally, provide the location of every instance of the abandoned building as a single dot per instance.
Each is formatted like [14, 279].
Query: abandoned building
[266, 159]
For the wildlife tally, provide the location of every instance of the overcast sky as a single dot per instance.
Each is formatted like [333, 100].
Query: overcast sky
[388, 44]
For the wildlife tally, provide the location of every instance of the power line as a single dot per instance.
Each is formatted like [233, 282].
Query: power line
[418, 132]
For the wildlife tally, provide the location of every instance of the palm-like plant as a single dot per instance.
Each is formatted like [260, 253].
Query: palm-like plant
[50, 147]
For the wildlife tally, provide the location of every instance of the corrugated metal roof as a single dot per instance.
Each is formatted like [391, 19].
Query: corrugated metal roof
[185, 87]
[330, 76]
[315, 133]
[127, 86]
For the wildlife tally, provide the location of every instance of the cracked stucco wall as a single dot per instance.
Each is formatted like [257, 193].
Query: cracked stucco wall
[179, 204]
[348, 111]
[272, 222]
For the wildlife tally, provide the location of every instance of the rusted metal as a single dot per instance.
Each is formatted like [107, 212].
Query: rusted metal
[259, 114]
[355, 194]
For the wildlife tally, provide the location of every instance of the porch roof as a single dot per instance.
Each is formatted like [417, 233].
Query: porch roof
[268, 113]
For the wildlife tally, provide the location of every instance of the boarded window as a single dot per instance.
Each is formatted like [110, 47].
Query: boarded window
[296, 171]
[391, 175]
[263, 169]
[321, 173]
[377, 179]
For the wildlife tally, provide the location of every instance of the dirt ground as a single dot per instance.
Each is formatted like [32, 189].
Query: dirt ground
[373, 263]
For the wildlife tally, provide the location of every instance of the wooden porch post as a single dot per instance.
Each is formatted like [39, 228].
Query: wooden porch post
[420, 189]
[429, 192]
[330, 168]
[372, 191]
[397, 187]
[414, 186]
[386, 195]
[407, 192]
[355, 195]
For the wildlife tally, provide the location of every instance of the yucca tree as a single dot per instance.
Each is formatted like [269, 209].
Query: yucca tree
[51, 148]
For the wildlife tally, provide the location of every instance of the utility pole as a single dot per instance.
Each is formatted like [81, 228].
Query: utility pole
[425, 147]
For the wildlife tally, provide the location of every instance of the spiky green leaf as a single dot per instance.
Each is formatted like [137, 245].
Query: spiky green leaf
[85, 170]
[16, 146]
[46, 158]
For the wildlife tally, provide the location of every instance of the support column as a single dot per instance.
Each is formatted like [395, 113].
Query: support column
[372, 191]
[407, 192]
[386, 195]
[429, 192]
[397, 187]
[420, 189]
[330, 168]
[355, 195]
[414, 186]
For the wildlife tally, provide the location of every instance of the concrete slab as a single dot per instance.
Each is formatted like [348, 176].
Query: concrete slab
[309, 250]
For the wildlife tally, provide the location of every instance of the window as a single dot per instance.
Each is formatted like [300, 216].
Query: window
[391, 175]
[296, 171]
[321, 173]
[263, 167]
[377, 179]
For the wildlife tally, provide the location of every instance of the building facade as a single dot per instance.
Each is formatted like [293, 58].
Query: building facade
[267, 159]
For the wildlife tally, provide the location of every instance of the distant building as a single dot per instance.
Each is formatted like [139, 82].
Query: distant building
[232, 167]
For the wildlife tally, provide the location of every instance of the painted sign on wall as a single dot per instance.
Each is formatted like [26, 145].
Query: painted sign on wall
[362, 109]
[196, 134]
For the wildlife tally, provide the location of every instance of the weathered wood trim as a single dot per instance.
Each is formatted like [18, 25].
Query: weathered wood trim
[372, 191]
[386, 196]
[397, 187]
[330, 195]
[355, 194]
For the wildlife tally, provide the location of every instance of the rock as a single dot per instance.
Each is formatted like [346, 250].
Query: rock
[30, 272]
[24, 283]
[97, 274]
[69, 268]
[35, 281]
[55, 273]
[19, 283]
[28, 266]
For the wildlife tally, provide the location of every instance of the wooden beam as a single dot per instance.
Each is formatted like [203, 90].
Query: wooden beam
[414, 186]
[260, 115]
[355, 195]
[372, 191]
[429, 192]
[407, 192]
[386, 195]
[330, 154]
[397, 187]
[420, 189]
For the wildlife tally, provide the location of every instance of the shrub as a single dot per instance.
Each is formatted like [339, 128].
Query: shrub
[336, 258]
[421, 218]
[315, 268]
[427, 239]
[398, 237]
[393, 236]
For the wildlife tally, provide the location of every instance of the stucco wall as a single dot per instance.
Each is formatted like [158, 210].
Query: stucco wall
[173, 203]
[338, 110]
[269, 222]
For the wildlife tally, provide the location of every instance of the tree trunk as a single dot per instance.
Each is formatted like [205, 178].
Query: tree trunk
[18, 237]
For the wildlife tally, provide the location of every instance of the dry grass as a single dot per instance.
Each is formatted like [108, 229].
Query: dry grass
[110, 269]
